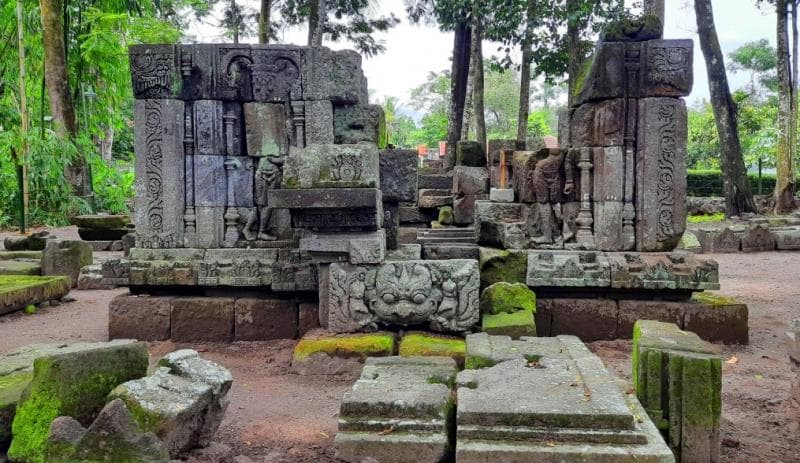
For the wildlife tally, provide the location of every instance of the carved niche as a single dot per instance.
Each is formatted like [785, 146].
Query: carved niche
[441, 294]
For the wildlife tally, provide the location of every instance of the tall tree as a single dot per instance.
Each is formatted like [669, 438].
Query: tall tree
[476, 63]
[22, 155]
[654, 8]
[525, 74]
[265, 21]
[785, 185]
[738, 198]
[237, 20]
[759, 58]
[56, 79]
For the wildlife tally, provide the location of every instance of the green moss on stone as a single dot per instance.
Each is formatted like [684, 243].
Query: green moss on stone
[515, 325]
[14, 255]
[345, 345]
[18, 291]
[20, 267]
[714, 299]
[419, 344]
[583, 75]
[476, 362]
[502, 266]
[507, 298]
[446, 215]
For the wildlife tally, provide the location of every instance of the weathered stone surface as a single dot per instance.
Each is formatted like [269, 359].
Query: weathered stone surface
[661, 173]
[676, 270]
[101, 221]
[391, 224]
[793, 340]
[398, 172]
[501, 195]
[647, 27]
[678, 379]
[66, 258]
[717, 318]
[359, 123]
[515, 325]
[264, 319]
[470, 153]
[182, 403]
[424, 344]
[294, 271]
[464, 208]
[787, 239]
[337, 209]
[209, 131]
[160, 197]
[113, 436]
[568, 269]
[495, 146]
[147, 318]
[758, 238]
[715, 240]
[591, 319]
[409, 394]
[21, 267]
[500, 225]
[356, 248]
[450, 251]
[434, 181]
[307, 318]
[631, 311]
[429, 199]
[202, 319]
[415, 215]
[154, 70]
[74, 384]
[320, 352]
[333, 75]
[598, 124]
[33, 242]
[265, 129]
[443, 294]
[319, 122]
[326, 166]
[90, 278]
[506, 297]
[18, 291]
[502, 266]
[470, 180]
[581, 408]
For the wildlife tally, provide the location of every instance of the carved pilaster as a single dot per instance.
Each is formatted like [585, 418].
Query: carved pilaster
[299, 123]
[584, 236]
[189, 217]
[229, 120]
[633, 70]
[231, 213]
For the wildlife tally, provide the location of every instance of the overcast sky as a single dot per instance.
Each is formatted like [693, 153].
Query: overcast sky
[414, 51]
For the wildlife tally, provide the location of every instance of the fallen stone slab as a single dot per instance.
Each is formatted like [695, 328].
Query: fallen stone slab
[678, 379]
[33, 242]
[323, 353]
[550, 400]
[19, 291]
[400, 408]
[101, 221]
[20, 255]
[20, 267]
[75, 384]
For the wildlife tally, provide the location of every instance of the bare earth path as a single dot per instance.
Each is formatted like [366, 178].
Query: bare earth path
[279, 417]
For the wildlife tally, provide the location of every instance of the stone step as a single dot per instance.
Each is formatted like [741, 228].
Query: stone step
[451, 251]
[446, 240]
[545, 434]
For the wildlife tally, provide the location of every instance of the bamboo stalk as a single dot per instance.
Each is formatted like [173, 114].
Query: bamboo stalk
[22, 156]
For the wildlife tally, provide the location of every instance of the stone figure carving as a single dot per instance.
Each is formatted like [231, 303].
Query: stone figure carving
[441, 294]
[346, 168]
[268, 177]
[551, 180]
[274, 80]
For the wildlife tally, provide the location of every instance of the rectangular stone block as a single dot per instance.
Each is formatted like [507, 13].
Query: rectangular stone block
[333, 75]
[359, 123]
[266, 130]
[450, 251]
[210, 181]
[787, 238]
[154, 71]
[608, 225]
[464, 208]
[160, 199]
[294, 271]
[356, 248]
[758, 238]
[277, 72]
[661, 174]
[470, 180]
[264, 319]
[307, 318]
[715, 240]
[592, 319]
[325, 198]
[598, 124]
[568, 269]
[435, 181]
[676, 270]
[202, 319]
[146, 318]
[240, 174]
[210, 226]
[442, 294]
[319, 122]
[398, 175]
[209, 128]
[332, 166]
[608, 173]
[717, 318]
[236, 267]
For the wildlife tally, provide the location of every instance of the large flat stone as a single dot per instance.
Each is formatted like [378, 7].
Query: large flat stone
[19, 291]
[147, 318]
[265, 129]
[332, 166]
[264, 319]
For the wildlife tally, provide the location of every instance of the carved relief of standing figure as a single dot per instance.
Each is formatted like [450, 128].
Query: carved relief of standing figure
[550, 184]
[446, 313]
[268, 177]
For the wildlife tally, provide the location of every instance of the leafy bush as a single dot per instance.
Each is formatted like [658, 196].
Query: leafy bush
[709, 183]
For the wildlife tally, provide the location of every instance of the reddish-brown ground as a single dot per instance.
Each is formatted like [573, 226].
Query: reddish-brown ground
[275, 416]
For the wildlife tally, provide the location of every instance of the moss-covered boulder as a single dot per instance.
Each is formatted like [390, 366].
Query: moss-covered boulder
[422, 344]
[446, 215]
[507, 298]
[73, 384]
[499, 265]
[514, 325]
[321, 352]
[19, 291]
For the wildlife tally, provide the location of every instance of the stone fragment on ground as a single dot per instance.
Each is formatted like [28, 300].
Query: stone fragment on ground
[91, 277]
[33, 242]
[66, 258]
[320, 352]
[401, 408]
[423, 344]
[73, 383]
[20, 291]
[678, 379]
[182, 403]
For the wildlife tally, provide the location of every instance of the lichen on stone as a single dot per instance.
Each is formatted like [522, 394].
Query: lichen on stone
[416, 344]
[514, 325]
[506, 297]
[345, 345]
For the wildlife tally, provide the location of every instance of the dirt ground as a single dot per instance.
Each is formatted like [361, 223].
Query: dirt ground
[279, 417]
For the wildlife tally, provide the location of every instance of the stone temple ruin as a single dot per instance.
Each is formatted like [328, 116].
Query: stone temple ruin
[268, 206]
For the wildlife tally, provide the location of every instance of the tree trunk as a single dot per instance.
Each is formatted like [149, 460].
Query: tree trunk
[525, 74]
[738, 198]
[469, 107]
[57, 82]
[106, 143]
[655, 8]
[575, 58]
[22, 157]
[458, 89]
[785, 183]
[317, 16]
[264, 24]
[477, 86]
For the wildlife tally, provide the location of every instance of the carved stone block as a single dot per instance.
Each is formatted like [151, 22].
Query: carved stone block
[210, 181]
[332, 166]
[607, 224]
[357, 123]
[276, 73]
[240, 175]
[236, 267]
[356, 248]
[598, 124]
[294, 271]
[210, 226]
[333, 75]
[154, 71]
[398, 175]
[676, 270]
[716, 240]
[442, 294]
[758, 238]
[209, 128]
[160, 198]
[498, 224]
[568, 269]
[661, 174]
[319, 122]
[391, 223]
[265, 129]
[668, 68]
[464, 208]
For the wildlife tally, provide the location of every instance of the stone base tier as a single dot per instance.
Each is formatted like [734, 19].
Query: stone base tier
[715, 318]
[221, 319]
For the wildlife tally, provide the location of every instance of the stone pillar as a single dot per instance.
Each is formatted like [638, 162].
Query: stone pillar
[231, 213]
[298, 123]
[584, 236]
[189, 218]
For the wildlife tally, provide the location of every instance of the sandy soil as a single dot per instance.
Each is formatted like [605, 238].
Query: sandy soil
[275, 416]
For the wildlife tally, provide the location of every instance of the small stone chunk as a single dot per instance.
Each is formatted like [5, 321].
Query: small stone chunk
[506, 297]
[515, 324]
[322, 353]
[66, 258]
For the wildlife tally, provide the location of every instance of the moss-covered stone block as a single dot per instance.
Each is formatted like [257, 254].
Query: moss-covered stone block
[678, 379]
[507, 298]
[322, 352]
[421, 344]
[19, 291]
[20, 255]
[20, 267]
[11, 389]
[101, 221]
[446, 215]
[633, 29]
[74, 384]
[515, 325]
[498, 265]
[718, 318]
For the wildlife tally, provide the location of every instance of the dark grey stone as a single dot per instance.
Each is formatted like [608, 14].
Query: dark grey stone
[154, 71]
[66, 258]
[357, 123]
[470, 153]
[398, 175]
[391, 223]
[210, 183]
[325, 198]
[598, 124]
[450, 251]
[319, 128]
[240, 179]
[265, 129]
[464, 208]
[333, 75]
[209, 129]
[470, 180]
[434, 181]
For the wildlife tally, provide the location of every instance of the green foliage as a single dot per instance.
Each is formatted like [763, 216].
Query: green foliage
[760, 59]
[704, 218]
[709, 183]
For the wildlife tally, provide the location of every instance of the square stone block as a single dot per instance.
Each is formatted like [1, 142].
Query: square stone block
[265, 129]
[202, 319]
[146, 318]
[398, 175]
[319, 122]
[589, 319]
[265, 319]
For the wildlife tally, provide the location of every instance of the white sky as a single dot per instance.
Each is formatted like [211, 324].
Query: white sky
[414, 51]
